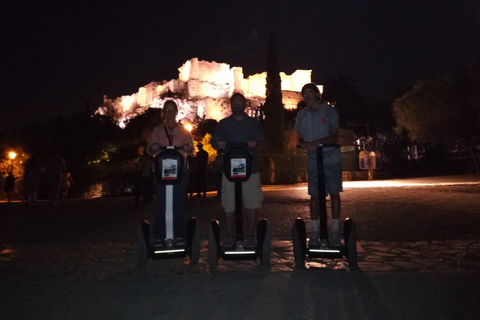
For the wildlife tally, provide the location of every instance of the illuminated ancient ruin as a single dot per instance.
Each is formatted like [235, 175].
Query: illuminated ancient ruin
[202, 90]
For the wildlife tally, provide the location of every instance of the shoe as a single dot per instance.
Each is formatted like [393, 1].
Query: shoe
[229, 241]
[159, 243]
[335, 239]
[313, 241]
[179, 242]
[250, 242]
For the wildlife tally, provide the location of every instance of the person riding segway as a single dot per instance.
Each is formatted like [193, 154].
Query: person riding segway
[243, 134]
[170, 142]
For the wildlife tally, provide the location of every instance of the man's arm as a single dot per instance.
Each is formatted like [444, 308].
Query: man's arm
[312, 145]
[218, 142]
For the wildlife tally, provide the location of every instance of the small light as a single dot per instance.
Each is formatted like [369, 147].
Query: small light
[189, 127]
[12, 155]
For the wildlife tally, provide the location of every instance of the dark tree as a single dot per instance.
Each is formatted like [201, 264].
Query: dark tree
[347, 99]
[443, 110]
[273, 108]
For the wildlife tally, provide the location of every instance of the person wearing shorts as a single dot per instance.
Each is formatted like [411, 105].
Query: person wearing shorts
[240, 128]
[316, 124]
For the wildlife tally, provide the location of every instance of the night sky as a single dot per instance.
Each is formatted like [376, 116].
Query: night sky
[57, 56]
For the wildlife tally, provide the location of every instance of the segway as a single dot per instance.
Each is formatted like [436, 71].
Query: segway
[169, 165]
[324, 249]
[237, 168]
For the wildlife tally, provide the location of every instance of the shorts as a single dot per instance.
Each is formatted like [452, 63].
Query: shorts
[251, 191]
[333, 179]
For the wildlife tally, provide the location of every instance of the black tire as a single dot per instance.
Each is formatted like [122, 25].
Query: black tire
[193, 240]
[350, 244]
[213, 245]
[142, 248]
[264, 242]
[299, 243]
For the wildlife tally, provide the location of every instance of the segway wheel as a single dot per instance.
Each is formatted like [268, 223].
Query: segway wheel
[299, 243]
[264, 242]
[193, 240]
[213, 243]
[350, 244]
[142, 245]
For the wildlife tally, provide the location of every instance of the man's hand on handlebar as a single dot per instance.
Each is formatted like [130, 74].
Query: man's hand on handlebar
[309, 146]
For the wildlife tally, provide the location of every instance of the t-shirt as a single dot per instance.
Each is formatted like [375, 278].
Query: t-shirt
[319, 125]
[233, 131]
[179, 136]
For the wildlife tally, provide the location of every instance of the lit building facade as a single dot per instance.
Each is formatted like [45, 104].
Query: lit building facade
[203, 89]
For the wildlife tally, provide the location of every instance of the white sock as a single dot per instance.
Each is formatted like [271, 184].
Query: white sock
[315, 226]
[335, 224]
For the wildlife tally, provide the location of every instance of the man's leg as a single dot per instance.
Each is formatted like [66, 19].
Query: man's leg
[336, 206]
[314, 213]
[230, 229]
[314, 209]
[251, 223]
[335, 234]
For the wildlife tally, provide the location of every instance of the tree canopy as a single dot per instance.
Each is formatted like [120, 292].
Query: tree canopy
[443, 110]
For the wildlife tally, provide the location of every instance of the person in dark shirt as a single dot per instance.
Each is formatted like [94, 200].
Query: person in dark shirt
[202, 161]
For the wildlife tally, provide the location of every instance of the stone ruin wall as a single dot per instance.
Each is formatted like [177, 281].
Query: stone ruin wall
[208, 86]
[210, 79]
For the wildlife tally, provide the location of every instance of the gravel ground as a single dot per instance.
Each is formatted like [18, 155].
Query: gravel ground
[77, 260]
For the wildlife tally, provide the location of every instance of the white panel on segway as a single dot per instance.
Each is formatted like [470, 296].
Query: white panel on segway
[170, 169]
[238, 168]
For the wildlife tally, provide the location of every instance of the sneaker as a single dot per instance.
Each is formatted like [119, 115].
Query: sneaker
[229, 241]
[179, 242]
[250, 242]
[335, 239]
[313, 241]
[159, 243]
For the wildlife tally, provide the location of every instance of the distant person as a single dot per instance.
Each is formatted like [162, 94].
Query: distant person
[55, 170]
[144, 179]
[316, 124]
[31, 180]
[67, 182]
[2, 180]
[240, 128]
[9, 186]
[201, 174]
[192, 175]
[218, 172]
[171, 133]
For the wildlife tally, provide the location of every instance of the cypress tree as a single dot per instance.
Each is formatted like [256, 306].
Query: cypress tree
[274, 110]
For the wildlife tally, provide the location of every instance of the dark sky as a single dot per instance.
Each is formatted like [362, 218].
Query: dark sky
[57, 56]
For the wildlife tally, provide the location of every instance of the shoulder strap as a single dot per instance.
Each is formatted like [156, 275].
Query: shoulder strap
[170, 138]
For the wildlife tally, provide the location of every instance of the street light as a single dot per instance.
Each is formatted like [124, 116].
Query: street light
[12, 155]
[189, 127]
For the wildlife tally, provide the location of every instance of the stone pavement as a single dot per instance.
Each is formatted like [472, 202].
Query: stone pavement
[92, 262]
[418, 250]
[94, 239]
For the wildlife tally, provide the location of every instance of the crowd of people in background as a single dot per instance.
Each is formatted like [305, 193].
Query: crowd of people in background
[52, 170]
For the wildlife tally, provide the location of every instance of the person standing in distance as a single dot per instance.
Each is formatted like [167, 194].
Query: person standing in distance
[202, 161]
[316, 124]
[240, 128]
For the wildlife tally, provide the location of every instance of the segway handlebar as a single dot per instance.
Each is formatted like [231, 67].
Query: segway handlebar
[325, 145]
[163, 148]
